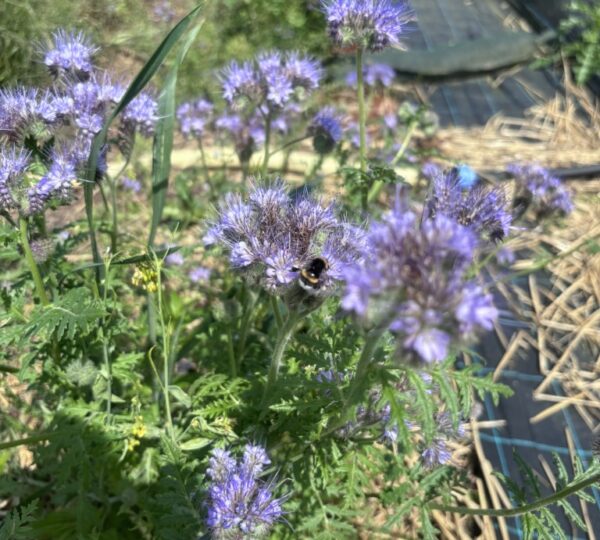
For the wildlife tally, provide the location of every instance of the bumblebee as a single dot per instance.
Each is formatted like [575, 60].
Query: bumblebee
[310, 275]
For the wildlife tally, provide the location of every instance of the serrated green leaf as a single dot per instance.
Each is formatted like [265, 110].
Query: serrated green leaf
[180, 395]
[572, 514]
[195, 444]
[424, 404]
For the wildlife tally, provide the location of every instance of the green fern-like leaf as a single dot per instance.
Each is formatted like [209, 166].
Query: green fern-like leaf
[75, 313]
[174, 507]
[17, 525]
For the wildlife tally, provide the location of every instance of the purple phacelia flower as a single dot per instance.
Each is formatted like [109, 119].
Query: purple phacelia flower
[131, 184]
[413, 282]
[199, 274]
[538, 189]
[163, 11]
[70, 53]
[174, 259]
[141, 114]
[41, 249]
[194, 117]
[438, 453]
[271, 79]
[372, 25]
[241, 81]
[56, 185]
[483, 209]
[326, 130]
[13, 165]
[240, 504]
[304, 72]
[431, 170]
[22, 112]
[290, 246]
[373, 75]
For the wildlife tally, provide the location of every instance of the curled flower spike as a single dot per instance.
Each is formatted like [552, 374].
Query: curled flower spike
[291, 246]
[326, 130]
[24, 111]
[70, 53]
[538, 189]
[483, 209]
[413, 281]
[13, 165]
[239, 504]
[366, 24]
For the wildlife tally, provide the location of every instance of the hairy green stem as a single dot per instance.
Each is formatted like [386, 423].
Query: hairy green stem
[245, 326]
[375, 190]
[519, 510]
[359, 378]
[166, 349]
[33, 268]
[362, 124]
[412, 127]
[276, 311]
[114, 232]
[283, 338]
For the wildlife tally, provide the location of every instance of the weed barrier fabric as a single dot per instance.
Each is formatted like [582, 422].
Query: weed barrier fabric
[532, 441]
[474, 101]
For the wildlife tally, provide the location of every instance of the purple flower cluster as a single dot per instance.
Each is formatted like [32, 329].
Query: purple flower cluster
[141, 114]
[239, 504]
[70, 53]
[131, 184]
[68, 116]
[438, 452]
[57, 185]
[326, 130]
[539, 189]
[273, 237]
[373, 75]
[194, 117]
[24, 111]
[272, 79]
[483, 209]
[366, 24]
[413, 281]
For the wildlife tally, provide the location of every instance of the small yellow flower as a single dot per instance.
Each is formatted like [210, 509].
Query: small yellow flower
[146, 277]
[310, 370]
[132, 444]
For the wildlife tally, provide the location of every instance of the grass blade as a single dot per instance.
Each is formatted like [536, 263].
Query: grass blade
[138, 83]
[163, 138]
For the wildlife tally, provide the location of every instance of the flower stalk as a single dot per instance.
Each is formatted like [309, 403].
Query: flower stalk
[283, 338]
[33, 268]
[520, 510]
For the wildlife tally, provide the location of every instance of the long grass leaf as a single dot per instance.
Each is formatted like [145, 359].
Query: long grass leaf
[138, 83]
[163, 138]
